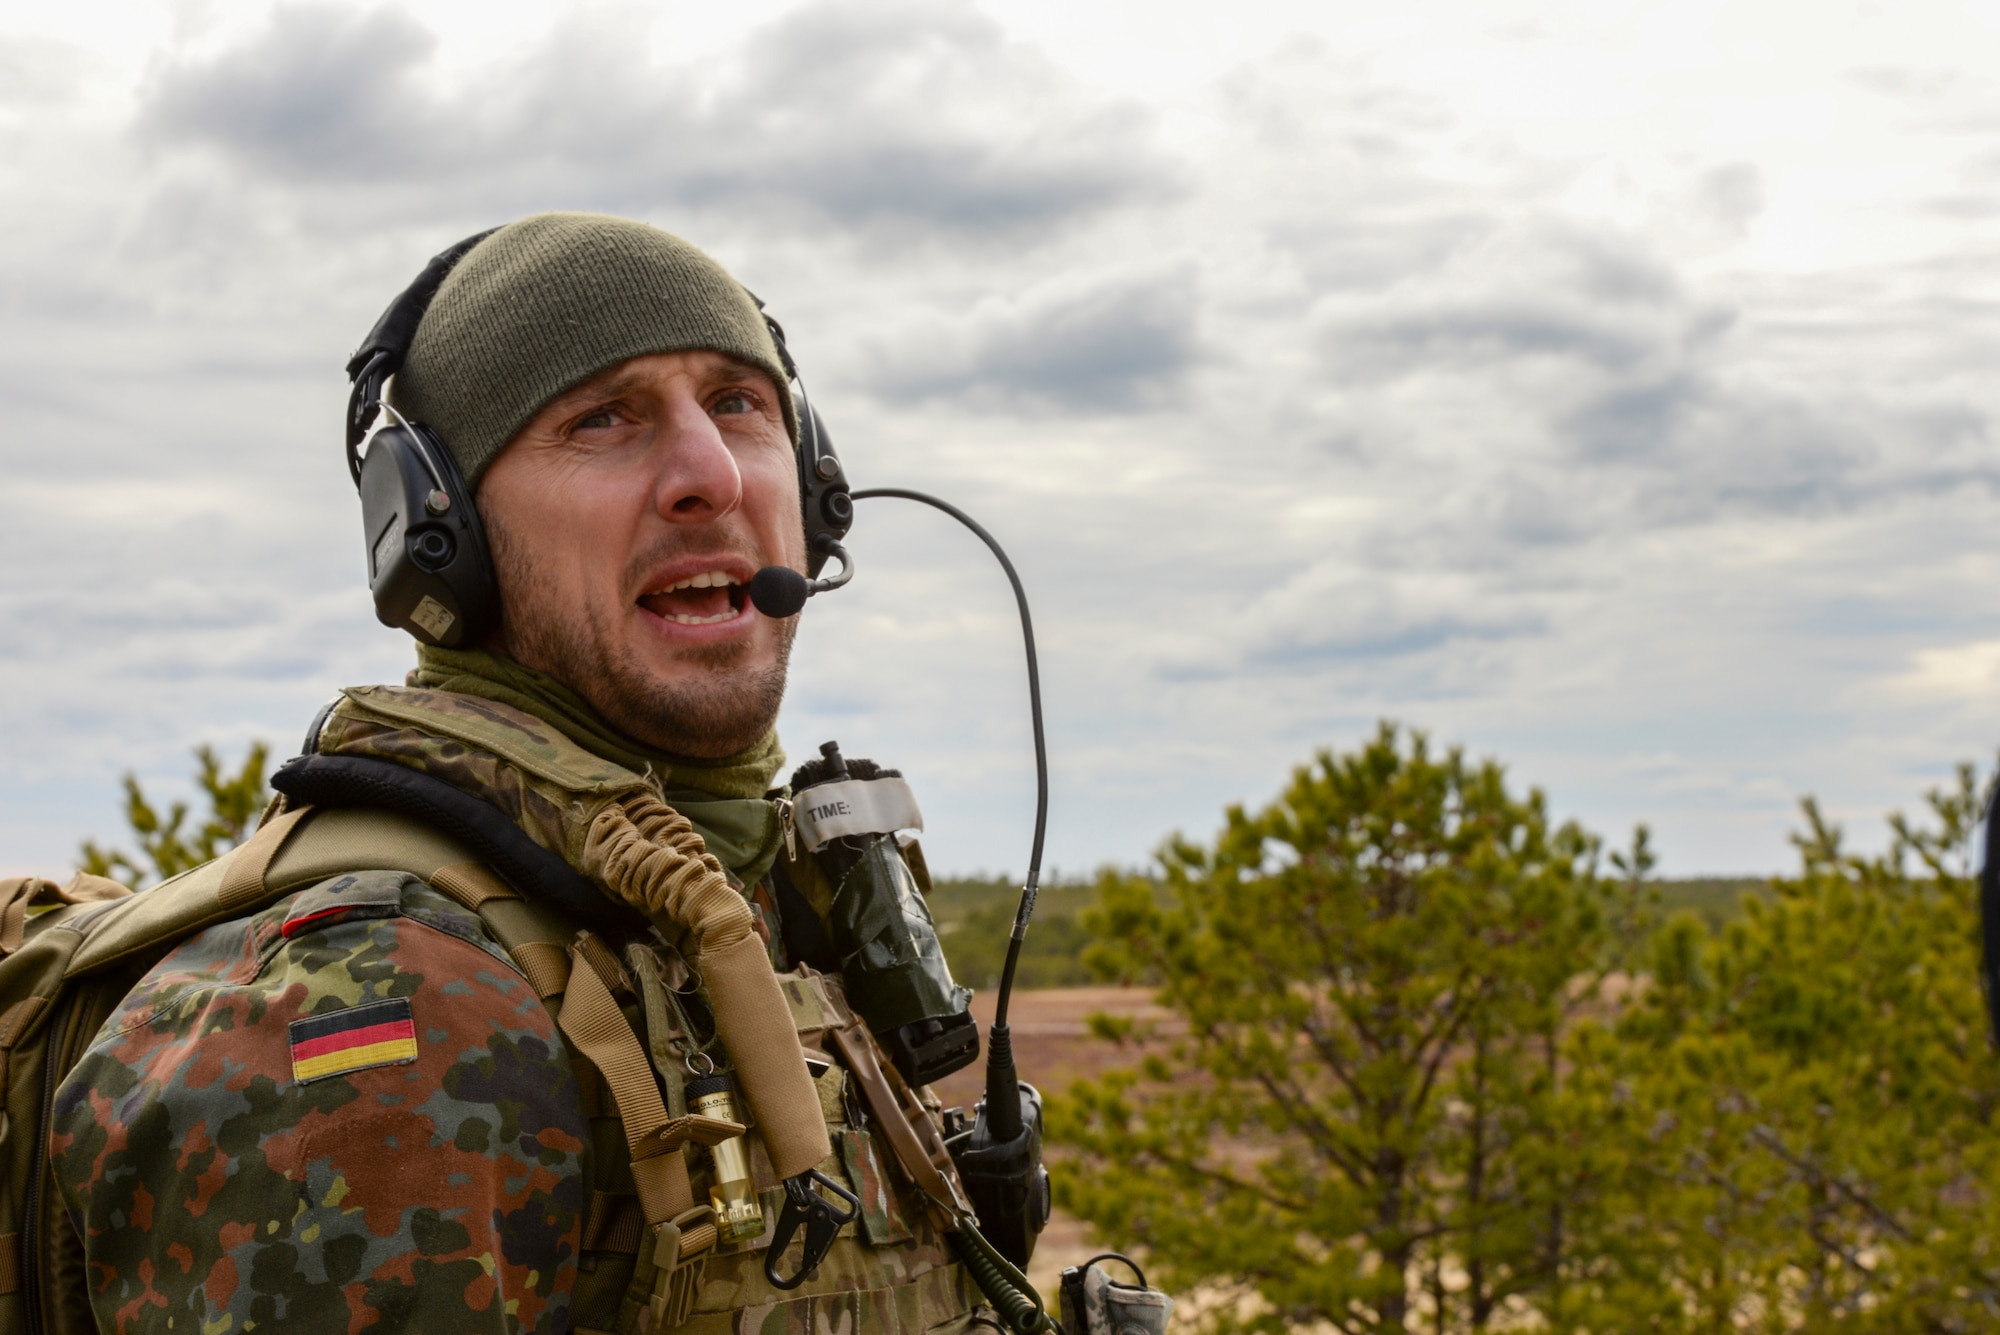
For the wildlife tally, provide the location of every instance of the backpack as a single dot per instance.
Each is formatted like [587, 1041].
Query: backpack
[70, 953]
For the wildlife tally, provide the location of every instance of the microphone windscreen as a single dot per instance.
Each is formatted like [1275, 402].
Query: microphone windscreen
[778, 592]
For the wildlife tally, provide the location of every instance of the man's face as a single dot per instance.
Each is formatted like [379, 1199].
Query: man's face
[626, 520]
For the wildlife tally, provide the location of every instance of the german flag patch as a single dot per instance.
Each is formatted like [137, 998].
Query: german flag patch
[382, 1033]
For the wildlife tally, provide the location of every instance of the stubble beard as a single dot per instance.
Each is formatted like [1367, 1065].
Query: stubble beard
[724, 706]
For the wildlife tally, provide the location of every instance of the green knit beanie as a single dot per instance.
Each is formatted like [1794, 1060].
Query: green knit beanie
[547, 302]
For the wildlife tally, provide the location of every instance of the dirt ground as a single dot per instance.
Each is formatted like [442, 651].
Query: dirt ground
[1052, 1047]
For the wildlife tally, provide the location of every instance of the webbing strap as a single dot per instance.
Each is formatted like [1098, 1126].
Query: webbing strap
[10, 1263]
[755, 1024]
[243, 883]
[604, 963]
[592, 1022]
[470, 884]
[918, 1151]
[546, 965]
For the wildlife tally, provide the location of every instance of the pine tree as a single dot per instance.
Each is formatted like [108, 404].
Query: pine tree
[235, 798]
[1807, 1101]
[1362, 1124]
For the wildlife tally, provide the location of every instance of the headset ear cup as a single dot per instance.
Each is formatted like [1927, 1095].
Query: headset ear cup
[824, 500]
[429, 568]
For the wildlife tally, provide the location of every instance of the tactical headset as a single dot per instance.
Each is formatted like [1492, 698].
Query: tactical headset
[429, 567]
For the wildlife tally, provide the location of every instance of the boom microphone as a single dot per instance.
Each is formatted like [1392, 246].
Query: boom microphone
[780, 591]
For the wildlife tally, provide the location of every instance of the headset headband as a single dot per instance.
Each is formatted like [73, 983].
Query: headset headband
[381, 354]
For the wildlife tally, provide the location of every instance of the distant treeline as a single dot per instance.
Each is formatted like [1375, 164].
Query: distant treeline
[974, 917]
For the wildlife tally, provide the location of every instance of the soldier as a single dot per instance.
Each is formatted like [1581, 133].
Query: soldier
[403, 1097]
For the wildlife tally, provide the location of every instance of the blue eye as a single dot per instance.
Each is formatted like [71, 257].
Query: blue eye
[601, 418]
[732, 403]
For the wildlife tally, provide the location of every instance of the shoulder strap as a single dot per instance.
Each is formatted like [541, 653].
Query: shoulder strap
[244, 883]
[290, 851]
[361, 782]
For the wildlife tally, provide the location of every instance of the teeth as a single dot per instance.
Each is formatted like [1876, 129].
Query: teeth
[707, 579]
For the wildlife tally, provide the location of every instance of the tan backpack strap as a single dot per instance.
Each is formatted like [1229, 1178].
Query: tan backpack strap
[545, 964]
[912, 1138]
[603, 962]
[243, 883]
[18, 894]
[470, 885]
[592, 1022]
[680, 1233]
[84, 888]
[755, 1024]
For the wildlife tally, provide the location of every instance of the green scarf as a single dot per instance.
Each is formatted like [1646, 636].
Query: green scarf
[724, 799]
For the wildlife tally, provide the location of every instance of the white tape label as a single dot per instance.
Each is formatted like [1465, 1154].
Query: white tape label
[433, 616]
[828, 811]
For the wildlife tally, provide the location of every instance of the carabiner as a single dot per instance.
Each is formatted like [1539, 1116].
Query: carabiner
[805, 1206]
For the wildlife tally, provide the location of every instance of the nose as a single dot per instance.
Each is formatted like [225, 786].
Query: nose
[698, 478]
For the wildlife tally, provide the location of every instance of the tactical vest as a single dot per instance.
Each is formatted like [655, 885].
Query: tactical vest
[69, 954]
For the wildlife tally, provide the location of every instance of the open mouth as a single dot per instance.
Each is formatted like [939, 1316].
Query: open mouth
[698, 600]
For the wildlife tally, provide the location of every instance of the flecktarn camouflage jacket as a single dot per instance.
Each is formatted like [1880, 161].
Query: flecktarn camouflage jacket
[351, 1111]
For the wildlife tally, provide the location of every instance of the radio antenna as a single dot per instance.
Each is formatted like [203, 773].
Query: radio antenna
[1003, 1099]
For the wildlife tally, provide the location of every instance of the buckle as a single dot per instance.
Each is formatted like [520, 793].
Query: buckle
[680, 1253]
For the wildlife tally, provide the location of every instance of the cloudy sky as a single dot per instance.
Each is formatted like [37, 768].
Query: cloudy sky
[1604, 386]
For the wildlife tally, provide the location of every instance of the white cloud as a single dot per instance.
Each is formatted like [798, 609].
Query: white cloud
[888, 122]
[1958, 672]
[1587, 387]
